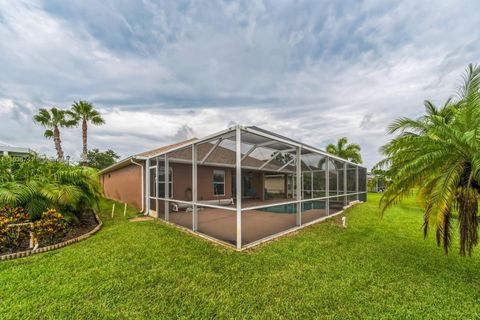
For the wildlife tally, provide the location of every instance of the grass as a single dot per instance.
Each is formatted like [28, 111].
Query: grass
[376, 268]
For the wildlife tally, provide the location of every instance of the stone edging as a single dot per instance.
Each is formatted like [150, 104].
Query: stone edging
[54, 246]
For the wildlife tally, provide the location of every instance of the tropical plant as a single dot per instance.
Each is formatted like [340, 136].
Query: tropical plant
[52, 120]
[378, 180]
[39, 184]
[13, 236]
[84, 112]
[439, 154]
[345, 150]
[101, 159]
[283, 158]
[51, 227]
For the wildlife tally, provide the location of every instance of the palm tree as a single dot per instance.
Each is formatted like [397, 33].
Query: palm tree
[52, 120]
[85, 112]
[439, 153]
[345, 150]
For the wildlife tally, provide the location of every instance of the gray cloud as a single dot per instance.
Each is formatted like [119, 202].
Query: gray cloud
[165, 71]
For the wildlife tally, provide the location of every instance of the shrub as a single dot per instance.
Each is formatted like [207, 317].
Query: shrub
[39, 184]
[51, 228]
[12, 237]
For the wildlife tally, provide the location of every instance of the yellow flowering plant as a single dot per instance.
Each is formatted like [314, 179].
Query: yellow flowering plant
[51, 227]
[12, 235]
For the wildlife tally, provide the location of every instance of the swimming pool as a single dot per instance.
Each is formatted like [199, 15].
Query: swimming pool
[292, 207]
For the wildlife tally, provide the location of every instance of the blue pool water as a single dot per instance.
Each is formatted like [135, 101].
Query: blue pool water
[292, 207]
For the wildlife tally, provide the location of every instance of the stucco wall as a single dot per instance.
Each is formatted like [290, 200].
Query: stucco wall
[124, 184]
[182, 182]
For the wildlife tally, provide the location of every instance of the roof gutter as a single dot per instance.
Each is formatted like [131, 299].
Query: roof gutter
[113, 166]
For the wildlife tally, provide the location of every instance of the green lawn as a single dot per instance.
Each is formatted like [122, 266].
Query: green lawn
[377, 268]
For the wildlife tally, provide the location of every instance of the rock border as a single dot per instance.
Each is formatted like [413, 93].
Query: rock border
[21, 254]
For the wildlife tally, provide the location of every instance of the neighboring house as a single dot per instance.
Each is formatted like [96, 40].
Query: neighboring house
[13, 151]
[193, 183]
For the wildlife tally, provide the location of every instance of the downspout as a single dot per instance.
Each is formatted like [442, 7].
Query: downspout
[143, 191]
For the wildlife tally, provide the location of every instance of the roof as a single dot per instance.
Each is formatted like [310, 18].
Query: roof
[11, 148]
[165, 148]
[223, 155]
[143, 155]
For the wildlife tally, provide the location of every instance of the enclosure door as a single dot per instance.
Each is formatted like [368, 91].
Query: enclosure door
[153, 191]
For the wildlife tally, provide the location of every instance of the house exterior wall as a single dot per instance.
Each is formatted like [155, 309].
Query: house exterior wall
[124, 184]
[182, 182]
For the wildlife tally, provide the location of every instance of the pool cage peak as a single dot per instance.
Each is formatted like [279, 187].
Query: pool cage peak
[245, 185]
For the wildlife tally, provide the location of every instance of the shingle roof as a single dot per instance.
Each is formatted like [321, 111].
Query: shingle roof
[219, 156]
[165, 148]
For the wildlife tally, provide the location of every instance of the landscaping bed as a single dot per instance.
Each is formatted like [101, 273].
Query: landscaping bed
[85, 223]
[45, 204]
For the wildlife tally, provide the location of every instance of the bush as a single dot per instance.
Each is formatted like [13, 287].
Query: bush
[51, 228]
[12, 237]
[39, 184]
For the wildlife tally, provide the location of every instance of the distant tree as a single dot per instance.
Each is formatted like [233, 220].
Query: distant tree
[84, 112]
[52, 120]
[101, 159]
[345, 150]
[282, 157]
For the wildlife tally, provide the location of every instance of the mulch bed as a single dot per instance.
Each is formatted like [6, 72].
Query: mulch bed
[86, 222]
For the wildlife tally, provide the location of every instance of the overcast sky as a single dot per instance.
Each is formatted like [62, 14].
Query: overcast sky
[162, 71]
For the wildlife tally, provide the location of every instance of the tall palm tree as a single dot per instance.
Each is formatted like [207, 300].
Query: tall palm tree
[85, 112]
[345, 150]
[439, 153]
[52, 120]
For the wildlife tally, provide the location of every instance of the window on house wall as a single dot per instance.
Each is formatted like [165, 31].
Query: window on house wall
[219, 182]
[161, 182]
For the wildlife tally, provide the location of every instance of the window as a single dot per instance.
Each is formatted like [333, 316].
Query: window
[218, 182]
[161, 182]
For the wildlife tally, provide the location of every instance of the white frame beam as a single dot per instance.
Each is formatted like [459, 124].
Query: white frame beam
[194, 188]
[356, 182]
[345, 181]
[155, 181]
[299, 186]
[167, 187]
[147, 185]
[327, 186]
[238, 181]
[286, 164]
[276, 153]
[211, 150]
[255, 146]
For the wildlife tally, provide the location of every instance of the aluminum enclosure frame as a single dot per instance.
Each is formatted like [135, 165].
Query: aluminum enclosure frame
[237, 132]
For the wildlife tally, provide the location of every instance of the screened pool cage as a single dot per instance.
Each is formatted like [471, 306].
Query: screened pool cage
[245, 185]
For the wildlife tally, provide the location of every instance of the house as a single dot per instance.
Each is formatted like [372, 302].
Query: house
[284, 185]
[14, 152]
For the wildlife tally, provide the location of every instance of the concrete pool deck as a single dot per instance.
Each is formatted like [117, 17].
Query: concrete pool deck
[256, 224]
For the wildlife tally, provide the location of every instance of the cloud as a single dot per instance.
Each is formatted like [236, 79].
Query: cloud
[166, 71]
